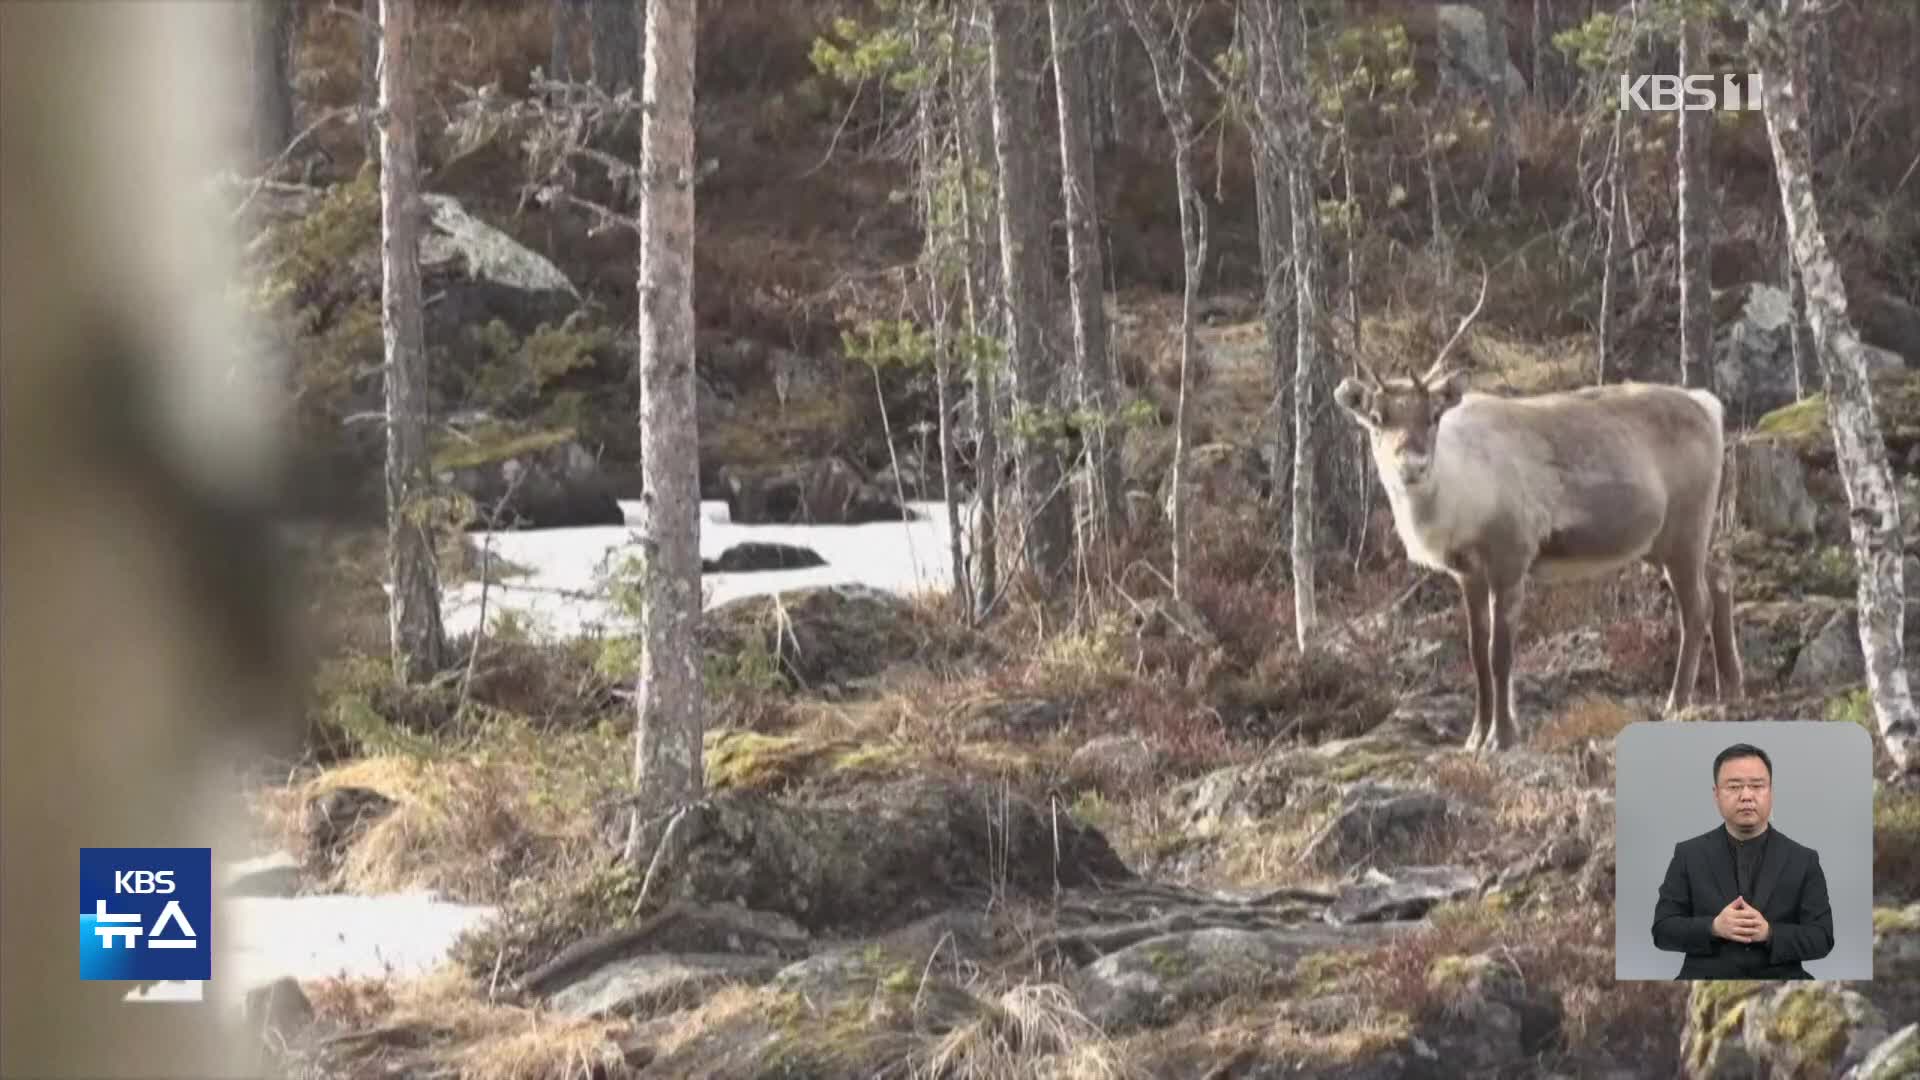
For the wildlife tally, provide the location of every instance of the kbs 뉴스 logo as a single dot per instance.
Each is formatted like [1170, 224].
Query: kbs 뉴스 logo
[146, 914]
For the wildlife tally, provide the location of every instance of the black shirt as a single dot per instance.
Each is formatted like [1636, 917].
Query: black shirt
[1746, 860]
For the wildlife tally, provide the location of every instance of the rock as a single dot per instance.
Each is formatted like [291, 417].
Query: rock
[1771, 487]
[1154, 980]
[1003, 716]
[1378, 822]
[542, 479]
[1466, 50]
[277, 874]
[478, 273]
[335, 818]
[1409, 892]
[1739, 1029]
[1217, 474]
[1889, 322]
[880, 854]
[696, 931]
[1897, 1057]
[1833, 656]
[1812, 1030]
[1112, 759]
[1774, 633]
[645, 985]
[825, 491]
[758, 555]
[827, 637]
[279, 1010]
[1492, 1019]
[1753, 350]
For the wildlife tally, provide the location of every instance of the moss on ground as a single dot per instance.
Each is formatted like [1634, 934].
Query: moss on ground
[495, 443]
[1715, 1011]
[1812, 1021]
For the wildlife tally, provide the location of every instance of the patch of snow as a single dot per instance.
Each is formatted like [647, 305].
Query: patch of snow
[564, 594]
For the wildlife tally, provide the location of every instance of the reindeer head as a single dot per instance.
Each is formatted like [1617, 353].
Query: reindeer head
[1402, 415]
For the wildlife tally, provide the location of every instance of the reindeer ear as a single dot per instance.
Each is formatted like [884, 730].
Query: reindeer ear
[1447, 388]
[1356, 397]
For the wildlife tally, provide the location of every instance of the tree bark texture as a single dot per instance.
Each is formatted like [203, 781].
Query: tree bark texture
[271, 30]
[1045, 511]
[616, 44]
[1696, 217]
[418, 639]
[1070, 21]
[1273, 209]
[668, 767]
[1778, 32]
[1163, 31]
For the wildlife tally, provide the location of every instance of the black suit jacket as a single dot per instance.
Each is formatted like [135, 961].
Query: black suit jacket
[1789, 890]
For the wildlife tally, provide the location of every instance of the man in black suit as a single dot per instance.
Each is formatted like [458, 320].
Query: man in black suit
[1743, 901]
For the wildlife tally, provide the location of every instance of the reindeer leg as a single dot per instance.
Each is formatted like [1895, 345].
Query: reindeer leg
[1477, 598]
[1687, 576]
[1507, 602]
[1729, 680]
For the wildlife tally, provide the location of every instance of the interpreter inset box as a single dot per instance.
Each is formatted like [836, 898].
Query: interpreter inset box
[1744, 851]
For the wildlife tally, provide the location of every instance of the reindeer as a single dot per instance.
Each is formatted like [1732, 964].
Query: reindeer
[1557, 487]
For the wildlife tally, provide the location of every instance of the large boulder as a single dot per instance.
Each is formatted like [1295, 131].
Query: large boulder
[1470, 53]
[1771, 486]
[825, 491]
[538, 479]
[1217, 474]
[477, 274]
[1753, 361]
[1739, 1029]
[826, 638]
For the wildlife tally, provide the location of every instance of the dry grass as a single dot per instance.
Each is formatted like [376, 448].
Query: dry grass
[1030, 1030]
[1588, 717]
[450, 1025]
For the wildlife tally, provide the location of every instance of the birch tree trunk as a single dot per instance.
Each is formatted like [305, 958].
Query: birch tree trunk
[1044, 508]
[272, 54]
[938, 263]
[1162, 28]
[1696, 230]
[1273, 209]
[668, 770]
[1777, 36]
[1283, 111]
[1069, 22]
[616, 44]
[413, 609]
[975, 134]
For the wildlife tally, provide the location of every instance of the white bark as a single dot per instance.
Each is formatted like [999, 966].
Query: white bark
[668, 767]
[1777, 36]
[413, 611]
[1163, 30]
[1069, 22]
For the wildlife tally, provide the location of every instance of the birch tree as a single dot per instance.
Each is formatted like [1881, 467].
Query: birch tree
[1273, 209]
[1282, 108]
[1777, 33]
[1044, 508]
[1163, 27]
[413, 609]
[667, 765]
[1696, 297]
[1069, 23]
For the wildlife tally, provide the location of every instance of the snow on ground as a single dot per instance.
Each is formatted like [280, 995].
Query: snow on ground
[565, 594]
[408, 934]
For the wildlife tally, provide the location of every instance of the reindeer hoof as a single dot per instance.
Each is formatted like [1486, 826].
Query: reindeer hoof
[1501, 739]
[1476, 737]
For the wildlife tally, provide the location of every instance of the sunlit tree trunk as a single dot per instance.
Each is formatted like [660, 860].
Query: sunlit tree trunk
[418, 639]
[1069, 22]
[1044, 508]
[667, 767]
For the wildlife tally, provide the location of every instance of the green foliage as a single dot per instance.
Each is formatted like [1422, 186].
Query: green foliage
[1853, 708]
[352, 699]
[881, 343]
[886, 51]
[509, 371]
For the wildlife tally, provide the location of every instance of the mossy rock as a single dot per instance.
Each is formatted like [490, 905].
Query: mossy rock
[1803, 425]
[1808, 1031]
[831, 638]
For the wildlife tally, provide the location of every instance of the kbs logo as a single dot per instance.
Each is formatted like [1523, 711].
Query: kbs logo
[146, 913]
[1694, 93]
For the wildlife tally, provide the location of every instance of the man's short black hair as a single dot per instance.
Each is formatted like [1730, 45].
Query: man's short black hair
[1740, 750]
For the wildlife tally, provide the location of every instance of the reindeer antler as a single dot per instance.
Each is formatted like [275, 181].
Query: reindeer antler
[1440, 363]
